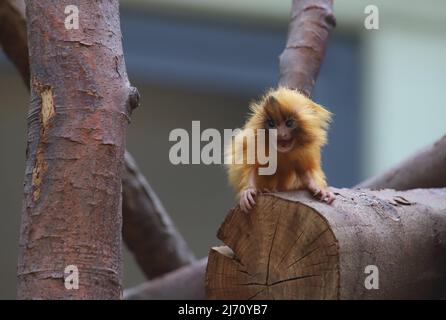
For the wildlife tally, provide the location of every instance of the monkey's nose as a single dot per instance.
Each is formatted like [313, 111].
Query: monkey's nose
[283, 136]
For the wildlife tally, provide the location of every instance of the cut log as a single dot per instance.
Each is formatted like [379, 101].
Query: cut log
[293, 247]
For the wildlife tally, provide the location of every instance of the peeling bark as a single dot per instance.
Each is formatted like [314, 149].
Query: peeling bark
[79, 111]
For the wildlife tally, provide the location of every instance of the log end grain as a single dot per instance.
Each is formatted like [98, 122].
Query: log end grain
[280, 250]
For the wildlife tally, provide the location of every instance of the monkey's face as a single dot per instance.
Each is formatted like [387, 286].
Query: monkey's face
[299, 122]
[277, 117]
[286, 131]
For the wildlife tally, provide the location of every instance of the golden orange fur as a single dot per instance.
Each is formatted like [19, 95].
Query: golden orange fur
[312, 121]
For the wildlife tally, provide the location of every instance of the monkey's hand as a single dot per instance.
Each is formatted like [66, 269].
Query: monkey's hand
[247, 201]
[322, 194]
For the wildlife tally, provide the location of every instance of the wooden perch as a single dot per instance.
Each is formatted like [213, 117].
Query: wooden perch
[147, 227]
[293, 247]
[186, 283]
[425, 169]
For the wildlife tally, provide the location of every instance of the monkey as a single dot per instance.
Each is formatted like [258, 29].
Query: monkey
[301, 131]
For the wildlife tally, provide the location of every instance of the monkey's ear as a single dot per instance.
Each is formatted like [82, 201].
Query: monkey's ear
[271, 103]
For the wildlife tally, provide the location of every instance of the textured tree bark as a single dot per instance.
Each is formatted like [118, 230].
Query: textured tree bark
[80, 107]
[147, 225]
[425, 169]
[186, 283]
[293, 247]
[148, 231]
[13, 36]
[310, 26]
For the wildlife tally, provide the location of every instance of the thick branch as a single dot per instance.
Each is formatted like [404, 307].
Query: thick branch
[294, 247]
[147, 226]
[425, 169]
[310, 26]
[186, 283]
[148, 230]
[13, 36]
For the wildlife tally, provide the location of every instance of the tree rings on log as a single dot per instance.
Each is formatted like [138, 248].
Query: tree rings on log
[285, 250]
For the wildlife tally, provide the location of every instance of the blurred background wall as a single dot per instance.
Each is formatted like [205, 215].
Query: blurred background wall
[207, 59]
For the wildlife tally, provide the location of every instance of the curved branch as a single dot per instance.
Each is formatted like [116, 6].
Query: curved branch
[147, 228]
[309, 29]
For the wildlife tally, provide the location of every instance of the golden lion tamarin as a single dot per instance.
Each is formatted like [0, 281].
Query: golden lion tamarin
[301, 130]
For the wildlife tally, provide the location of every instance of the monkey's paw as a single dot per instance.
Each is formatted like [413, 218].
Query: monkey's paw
[323, 195]
[247, 201]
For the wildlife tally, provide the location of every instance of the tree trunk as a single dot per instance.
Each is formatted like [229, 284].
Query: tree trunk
[146, 222]
[79, 111]
[293, 247]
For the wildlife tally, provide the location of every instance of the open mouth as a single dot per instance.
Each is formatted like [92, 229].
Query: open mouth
[282, 143]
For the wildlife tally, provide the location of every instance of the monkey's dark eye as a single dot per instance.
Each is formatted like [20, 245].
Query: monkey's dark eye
[270, 123]
[289, 123]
